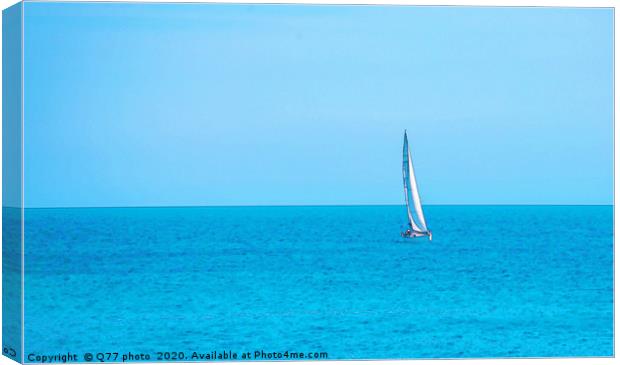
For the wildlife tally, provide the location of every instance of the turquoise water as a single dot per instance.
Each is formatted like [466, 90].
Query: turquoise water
[496, 281]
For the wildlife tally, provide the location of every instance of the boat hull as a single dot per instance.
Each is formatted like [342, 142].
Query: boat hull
[416, 234]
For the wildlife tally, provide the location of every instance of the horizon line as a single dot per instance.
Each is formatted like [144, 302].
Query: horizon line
[296, 205]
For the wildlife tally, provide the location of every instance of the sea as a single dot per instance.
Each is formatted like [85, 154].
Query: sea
[327, 282]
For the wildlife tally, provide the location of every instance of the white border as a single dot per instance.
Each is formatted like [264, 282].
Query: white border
[486, 3]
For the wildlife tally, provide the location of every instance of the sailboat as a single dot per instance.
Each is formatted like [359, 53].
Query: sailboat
[417, 222]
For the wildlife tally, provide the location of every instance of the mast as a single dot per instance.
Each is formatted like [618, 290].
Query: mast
[412, 194]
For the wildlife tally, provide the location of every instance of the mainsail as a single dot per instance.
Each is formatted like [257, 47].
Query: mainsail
[417, 222]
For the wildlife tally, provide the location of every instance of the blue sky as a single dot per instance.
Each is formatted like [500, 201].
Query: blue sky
[198, 104]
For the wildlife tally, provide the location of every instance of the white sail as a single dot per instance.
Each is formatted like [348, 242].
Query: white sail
[412, 195]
